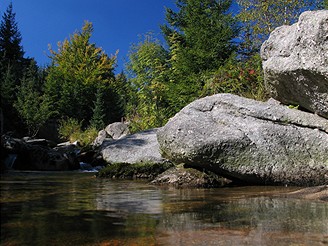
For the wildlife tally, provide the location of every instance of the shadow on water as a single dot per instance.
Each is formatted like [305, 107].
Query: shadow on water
[78, 209]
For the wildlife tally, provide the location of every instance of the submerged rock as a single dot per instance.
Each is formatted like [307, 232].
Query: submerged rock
[134, 171]
[247, 140]
[295, 62]
[189, 178]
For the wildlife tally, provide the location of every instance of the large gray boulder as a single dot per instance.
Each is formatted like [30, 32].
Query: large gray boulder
[134, 148]
[295, 62]
[243, 139]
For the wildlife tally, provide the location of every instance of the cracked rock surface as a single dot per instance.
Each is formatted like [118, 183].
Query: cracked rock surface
[243, 139]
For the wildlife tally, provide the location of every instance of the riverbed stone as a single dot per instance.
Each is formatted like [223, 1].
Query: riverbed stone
[134, 148]
[295, 62]
[243, 139]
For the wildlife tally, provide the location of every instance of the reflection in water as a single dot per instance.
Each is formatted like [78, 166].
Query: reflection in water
[78, 209]
[128, 197]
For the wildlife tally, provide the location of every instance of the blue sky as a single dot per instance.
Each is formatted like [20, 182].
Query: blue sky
[117, 23]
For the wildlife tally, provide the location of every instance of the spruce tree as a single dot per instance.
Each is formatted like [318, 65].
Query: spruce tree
[200, 38]
[97, 120]
[10, 38]
[203, 31]
[12, 65]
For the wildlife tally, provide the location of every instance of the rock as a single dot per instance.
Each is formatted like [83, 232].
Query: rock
[44, 159]
[247, 140]
[102, 135]
[117, 130]
[188, 177]
[295, 62]
[30, 156]
[42, 142]
[142, 170]
[139, 147]
[91, 157]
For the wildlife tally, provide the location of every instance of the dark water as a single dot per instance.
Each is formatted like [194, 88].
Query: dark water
[79, 209]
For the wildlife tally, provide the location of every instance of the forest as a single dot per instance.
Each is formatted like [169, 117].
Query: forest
[207, 50]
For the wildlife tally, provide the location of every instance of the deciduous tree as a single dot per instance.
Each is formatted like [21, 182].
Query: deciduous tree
[147, 70]
[78, 69]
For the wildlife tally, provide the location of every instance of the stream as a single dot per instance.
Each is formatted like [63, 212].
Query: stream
[76, 208]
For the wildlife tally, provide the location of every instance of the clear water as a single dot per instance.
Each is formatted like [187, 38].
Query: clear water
[68, 208]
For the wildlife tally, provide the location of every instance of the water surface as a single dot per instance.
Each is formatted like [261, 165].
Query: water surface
[69, 208]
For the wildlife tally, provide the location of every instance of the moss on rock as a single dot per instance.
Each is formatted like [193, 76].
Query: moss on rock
[142, 170]
[180, 176]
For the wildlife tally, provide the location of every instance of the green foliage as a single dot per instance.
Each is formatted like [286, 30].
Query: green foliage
[244, 78]
[147, 105]
[97, 120]
[202, 30]
[8, 86]
[71, 130]
[184, 84]
[325, 4]
[12, 67]
[200, 37]
[87, 136]
[78, 70]
[293, 106]
[260, 18]
[200, 33]
[10, 38]
[32, 106]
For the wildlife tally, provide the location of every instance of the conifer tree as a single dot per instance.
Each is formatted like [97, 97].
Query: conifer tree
[199, 36]
[33, 107]
[12, 66]
[10, 38]
[97, 120]
[203, 30]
